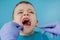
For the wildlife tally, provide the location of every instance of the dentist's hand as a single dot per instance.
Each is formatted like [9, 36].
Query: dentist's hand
[10, 31]
[53, 28]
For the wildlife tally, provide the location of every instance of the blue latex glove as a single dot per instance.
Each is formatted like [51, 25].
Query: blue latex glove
[10, 31]
[53, 29]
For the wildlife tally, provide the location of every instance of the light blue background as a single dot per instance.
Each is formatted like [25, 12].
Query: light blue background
[47, 11]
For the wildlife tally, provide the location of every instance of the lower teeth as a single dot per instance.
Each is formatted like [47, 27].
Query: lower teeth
[27, 23]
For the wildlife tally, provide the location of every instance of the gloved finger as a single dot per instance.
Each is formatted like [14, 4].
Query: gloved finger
[53, 35]
[50, 30]
[10, 30]
[50, 25]
[17, 26]
[11, 26]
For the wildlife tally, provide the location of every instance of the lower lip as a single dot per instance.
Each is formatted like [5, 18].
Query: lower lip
[26, 26]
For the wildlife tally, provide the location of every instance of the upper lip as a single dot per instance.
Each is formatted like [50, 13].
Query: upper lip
[25, 19]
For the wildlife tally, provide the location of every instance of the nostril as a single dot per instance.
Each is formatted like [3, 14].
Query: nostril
[26, 14]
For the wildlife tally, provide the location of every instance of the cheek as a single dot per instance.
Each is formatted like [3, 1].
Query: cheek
[33, 20]
[17, 19]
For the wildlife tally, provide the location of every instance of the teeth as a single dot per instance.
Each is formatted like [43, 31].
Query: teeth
[28, 22]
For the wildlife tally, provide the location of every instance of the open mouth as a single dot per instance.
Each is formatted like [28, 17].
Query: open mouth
[26, 22]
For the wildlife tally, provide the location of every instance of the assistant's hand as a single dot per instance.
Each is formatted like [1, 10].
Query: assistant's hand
[53, 29]
[10, 31]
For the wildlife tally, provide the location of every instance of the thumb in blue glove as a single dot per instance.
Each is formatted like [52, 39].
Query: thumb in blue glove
[10, 31]
[53, 29]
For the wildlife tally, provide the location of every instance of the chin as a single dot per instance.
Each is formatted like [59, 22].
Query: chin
[27, 30]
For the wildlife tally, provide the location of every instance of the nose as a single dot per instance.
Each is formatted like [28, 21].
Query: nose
[26, 14]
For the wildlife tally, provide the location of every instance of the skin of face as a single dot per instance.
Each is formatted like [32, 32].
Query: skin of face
[25, 11]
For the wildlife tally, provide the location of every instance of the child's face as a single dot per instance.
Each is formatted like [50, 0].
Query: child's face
[24, 14]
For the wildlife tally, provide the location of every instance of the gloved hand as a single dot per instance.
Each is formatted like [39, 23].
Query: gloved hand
[10, 31]
[53, 29]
